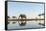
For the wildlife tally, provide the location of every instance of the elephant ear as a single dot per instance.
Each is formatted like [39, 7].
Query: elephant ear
[21, 15]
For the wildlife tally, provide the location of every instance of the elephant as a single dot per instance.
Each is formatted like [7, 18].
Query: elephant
[23, 22]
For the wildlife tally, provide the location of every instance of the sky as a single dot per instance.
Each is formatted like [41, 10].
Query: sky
[31, 10]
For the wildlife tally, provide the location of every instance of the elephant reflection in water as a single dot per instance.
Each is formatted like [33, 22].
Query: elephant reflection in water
[22, 22]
